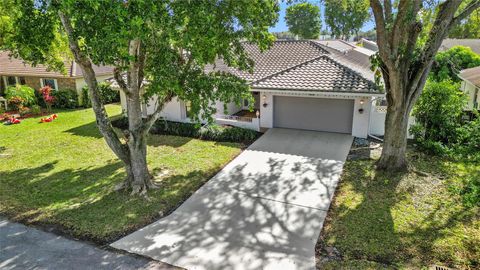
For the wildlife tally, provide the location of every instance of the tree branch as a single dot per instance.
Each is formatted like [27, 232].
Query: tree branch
[466, 12]
[387, 5]
[117, 74]
[103, 122]
[382, 35]
[148, 123]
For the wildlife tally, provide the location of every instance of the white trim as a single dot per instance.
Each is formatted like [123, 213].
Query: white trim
[316, 94]
[54, 81]
[5, 80]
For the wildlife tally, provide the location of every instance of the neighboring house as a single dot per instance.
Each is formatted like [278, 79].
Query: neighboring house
[308, 85]
[448, 43]
[15, 71]
[368, 44]
[471, 86]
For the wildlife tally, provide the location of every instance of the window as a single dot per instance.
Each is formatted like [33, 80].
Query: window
[21, 80]
[50, 82]
[188, 109]
[245, 103]
[11, 80]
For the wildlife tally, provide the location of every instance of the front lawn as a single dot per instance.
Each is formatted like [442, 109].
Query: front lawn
[410, 220]
[62, 174]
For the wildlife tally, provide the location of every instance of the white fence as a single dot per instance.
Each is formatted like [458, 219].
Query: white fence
[377, 121]
[239, 121]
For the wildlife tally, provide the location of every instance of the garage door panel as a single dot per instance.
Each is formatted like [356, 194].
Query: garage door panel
[320, 114]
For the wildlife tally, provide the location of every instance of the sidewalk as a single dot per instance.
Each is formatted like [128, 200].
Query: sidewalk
[23, 247]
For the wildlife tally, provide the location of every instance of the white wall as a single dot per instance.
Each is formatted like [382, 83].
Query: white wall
[360, 120]
[231, 108]
[377, 121]
[80, 83]
[469, 89]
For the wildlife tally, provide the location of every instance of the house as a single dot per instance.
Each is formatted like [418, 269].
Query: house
[448, 43]
[15, 71]
[301, 84]
[471, 86]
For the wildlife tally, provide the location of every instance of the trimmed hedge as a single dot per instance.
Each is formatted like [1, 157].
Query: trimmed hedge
[65, 99]
[107, 95]
[205, 132]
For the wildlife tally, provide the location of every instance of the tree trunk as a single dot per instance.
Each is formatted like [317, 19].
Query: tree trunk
[140, 179]
[395, 140]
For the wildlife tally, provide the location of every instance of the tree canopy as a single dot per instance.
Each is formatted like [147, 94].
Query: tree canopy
[467, 28]
[303, 19]
[346, 17]
[159, 51]
[448, 64]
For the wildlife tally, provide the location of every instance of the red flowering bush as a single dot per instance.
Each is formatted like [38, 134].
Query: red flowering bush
[48, 98]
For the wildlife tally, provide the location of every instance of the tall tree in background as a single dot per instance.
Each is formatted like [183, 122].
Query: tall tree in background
[346, 17]
[405, 61]
[303, 19]
[159, 50]
[467, 28]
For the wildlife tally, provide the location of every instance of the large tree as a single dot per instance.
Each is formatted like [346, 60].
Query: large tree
[405, 61]
[303, 19]
[468, 27]
[159, 49]
[346, 17]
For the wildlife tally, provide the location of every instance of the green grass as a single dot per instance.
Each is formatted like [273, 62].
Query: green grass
[403, 220]
[62, 174]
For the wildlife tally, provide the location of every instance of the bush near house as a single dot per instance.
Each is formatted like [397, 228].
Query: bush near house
[440, 131]
[447, 64]
[107, 95]
[24, 93]
[65, 99]
[204, 132]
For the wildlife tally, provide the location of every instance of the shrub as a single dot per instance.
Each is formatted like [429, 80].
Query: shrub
[24, 110]
[36, 109]
[107, 94]
[438, 112]
[65, 99]
[468, 187]
[16, 102]
[448, 63]
[25, 92]
[467, 144]
[205, 132]
[47, 96]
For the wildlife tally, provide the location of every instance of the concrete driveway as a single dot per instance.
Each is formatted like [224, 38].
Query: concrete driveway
[264, 210]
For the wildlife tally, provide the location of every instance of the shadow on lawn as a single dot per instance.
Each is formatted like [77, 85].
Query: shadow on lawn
[91, 130]
[370, 229]
[82, 203]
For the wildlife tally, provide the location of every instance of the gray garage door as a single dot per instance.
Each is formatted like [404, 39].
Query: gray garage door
[320, 114]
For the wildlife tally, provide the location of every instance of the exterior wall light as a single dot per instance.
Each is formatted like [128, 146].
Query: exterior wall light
[264, 98]
[257, 114]
[361, 110]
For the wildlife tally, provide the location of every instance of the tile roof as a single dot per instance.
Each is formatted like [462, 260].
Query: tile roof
[282, 55]
[320, 74]
[472, 75]
[295, 58]
[15, 66]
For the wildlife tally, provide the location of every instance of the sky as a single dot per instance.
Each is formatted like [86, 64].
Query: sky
[281, 26]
